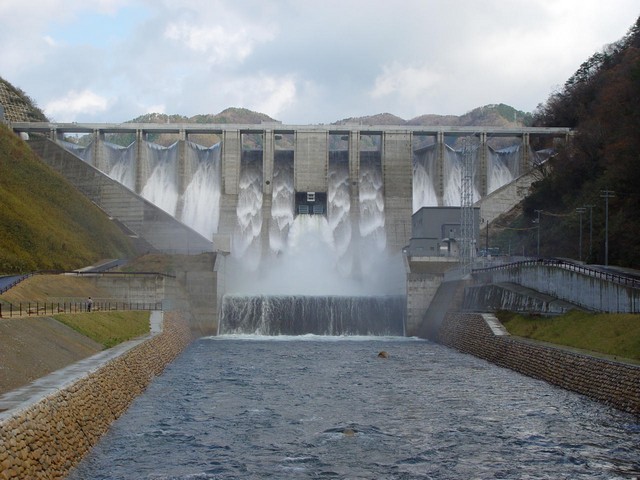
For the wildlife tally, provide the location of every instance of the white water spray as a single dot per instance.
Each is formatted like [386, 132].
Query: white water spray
[282, 205]
[503, 166]
[424, 194]
[338, 214]
[201, 199]
[160, 188]
[120, 163]
[246, 239]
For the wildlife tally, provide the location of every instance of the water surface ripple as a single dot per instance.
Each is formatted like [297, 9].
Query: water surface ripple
[324, 407]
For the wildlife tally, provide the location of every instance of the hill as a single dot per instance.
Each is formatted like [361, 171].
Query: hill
[45, 223]
[601, 102]
[499, 115]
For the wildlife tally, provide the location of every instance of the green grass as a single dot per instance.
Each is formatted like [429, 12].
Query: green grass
[45, 223]
[108, 328]
[617, 335]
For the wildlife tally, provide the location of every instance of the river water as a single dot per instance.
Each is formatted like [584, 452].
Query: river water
[248, 407]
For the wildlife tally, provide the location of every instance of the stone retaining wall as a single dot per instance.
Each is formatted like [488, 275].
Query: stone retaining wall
[46, 439]
[613, 383]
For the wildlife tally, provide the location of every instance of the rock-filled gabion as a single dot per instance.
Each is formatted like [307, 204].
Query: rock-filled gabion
[610, 382]
[46, 439]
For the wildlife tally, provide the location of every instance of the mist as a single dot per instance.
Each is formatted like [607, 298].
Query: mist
[311, 265]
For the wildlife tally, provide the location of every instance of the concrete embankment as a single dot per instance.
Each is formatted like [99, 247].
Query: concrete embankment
[612, 382]
[47, 427]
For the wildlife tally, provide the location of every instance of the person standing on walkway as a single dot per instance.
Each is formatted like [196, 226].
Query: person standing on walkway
[89, 304]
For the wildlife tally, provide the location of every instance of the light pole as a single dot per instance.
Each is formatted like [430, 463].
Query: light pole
[590, 207]
[606, 194]
[580, 211]
[538, 222]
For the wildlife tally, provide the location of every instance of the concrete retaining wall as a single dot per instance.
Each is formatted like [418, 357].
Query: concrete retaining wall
[613, 383]
[136, 288]
[513, 297]
[566, 284]
[45, 439]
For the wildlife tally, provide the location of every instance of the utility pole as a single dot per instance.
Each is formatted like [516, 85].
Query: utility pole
[538, 222]
[580, 211]
[590, 207]
[606, 194]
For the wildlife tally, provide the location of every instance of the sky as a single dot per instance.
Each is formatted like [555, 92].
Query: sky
[301, 62]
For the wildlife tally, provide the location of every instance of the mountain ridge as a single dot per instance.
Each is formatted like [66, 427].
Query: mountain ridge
[19, 107]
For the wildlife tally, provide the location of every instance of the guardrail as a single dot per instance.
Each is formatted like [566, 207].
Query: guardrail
[29, 309]
[626, 280]
[14, 280]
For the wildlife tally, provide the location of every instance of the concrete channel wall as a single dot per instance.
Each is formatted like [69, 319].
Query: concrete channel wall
[46, 435]
[566, 282]
[611, 382]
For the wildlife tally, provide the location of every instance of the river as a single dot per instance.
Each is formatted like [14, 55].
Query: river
[309, 407]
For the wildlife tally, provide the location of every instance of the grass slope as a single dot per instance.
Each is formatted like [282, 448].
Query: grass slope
[108, 328]
[45, 223]
[611, 334]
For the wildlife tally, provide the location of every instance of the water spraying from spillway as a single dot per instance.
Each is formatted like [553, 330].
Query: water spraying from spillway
[424, 173]
[503, 166]
[161, 187]
[339, 212]
[340, 254]
[318, 315]
[201, 198]
[247, 246]
[120, 164]
[282, 204]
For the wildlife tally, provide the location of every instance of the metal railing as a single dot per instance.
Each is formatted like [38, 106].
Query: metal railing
[620, 279]
[29, 309]
[14, 280]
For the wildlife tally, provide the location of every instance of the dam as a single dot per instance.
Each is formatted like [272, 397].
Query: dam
[298, 210]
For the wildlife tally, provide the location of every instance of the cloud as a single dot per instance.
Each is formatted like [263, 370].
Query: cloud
[405, 81]
[215, 42]
[299, 62]
[75, 104]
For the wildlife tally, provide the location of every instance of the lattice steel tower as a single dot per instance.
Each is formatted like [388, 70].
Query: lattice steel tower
[467, 227]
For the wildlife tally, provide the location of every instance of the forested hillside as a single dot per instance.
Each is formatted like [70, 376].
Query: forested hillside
[601, 101]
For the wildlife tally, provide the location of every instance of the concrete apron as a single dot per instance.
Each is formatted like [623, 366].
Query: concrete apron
[11, 403]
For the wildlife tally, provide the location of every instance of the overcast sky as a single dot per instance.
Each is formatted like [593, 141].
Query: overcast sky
[299, 61]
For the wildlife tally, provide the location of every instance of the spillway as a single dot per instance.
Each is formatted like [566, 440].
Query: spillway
[318, 315]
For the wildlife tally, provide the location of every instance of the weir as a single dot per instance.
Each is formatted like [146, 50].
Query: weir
[318, 315]
[312, 214]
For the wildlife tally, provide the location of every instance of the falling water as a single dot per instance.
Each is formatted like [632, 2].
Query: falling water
[282, 204]
[85, 152]
[318, 315]
[201, 199]
[503, 166]
[246, 239]
[161, 188]
[424, 194]
[453, 178]
[120, 163]
[338, 212]
[371, 201]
